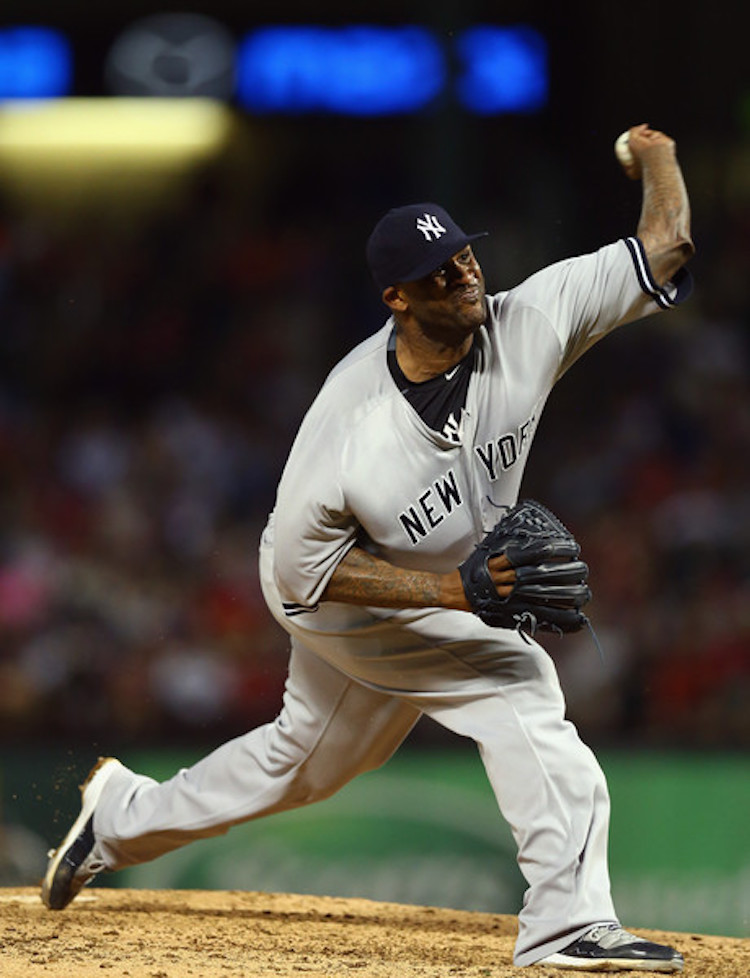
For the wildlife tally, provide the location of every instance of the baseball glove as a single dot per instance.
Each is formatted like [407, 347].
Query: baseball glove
[551, 583]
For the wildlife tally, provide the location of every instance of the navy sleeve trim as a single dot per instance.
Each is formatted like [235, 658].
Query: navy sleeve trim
[681, 284]
[291, 608]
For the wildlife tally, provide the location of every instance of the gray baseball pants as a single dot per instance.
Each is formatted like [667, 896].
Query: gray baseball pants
[357, 684]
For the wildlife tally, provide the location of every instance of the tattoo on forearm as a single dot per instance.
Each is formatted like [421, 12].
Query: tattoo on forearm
[666, 207]
[665, 203]
[364, 579]
[664, 226]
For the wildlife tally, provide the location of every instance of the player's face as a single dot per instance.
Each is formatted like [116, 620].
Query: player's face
[451, 299]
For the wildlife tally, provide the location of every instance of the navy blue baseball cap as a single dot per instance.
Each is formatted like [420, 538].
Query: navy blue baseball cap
[412, 241]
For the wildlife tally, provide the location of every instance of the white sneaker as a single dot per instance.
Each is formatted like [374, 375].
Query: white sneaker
[608, 947]
[75, 862]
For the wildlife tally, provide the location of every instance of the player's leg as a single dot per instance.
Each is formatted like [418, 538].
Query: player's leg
[330, 729]
[503, 692]
[549, 786]
[552, 792]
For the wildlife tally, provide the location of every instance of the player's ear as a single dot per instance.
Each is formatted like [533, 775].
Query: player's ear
[394, 298]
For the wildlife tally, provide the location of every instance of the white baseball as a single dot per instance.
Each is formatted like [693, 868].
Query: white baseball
[622, 149]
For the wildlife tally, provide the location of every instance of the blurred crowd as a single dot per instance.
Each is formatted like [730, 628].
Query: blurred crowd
[152, 376]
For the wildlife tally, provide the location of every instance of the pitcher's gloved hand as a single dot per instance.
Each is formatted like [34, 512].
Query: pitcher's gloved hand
[551, 583]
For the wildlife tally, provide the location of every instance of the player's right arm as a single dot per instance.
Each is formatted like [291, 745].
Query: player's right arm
[364, 579]
[664, 225]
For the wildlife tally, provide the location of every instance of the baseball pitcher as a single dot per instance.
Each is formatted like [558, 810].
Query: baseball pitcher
[412, 581]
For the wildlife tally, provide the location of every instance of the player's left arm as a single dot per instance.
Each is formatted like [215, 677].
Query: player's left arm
[664, 225]
[364, 579]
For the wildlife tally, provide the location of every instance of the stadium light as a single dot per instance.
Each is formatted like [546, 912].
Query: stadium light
[357, 70]
[35, 62]
[353, 70]
[136, 128]
[504, 70]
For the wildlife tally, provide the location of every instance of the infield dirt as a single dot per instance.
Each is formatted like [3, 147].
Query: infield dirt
[221, 934]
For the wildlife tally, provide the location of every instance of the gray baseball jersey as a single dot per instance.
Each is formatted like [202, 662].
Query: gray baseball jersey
[364, 459]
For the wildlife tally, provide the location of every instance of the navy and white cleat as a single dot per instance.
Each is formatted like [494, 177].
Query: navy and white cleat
[75, 862]
[608, 947]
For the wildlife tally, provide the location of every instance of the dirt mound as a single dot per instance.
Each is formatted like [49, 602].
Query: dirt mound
[218, 934]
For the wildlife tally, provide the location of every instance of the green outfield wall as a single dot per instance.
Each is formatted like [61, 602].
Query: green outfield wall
[425, 829]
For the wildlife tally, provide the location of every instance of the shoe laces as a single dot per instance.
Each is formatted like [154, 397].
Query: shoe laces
[609, 936]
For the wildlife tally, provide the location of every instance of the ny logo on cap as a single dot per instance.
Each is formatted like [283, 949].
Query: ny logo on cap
[428, 225]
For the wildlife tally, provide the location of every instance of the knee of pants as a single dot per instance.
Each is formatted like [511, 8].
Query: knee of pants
[317, 770]
[310, 770]
[590, 782]
[322, 776]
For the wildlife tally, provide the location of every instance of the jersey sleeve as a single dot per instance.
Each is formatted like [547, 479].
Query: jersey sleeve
[312, 527]
[586, 297]
[314, 523]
